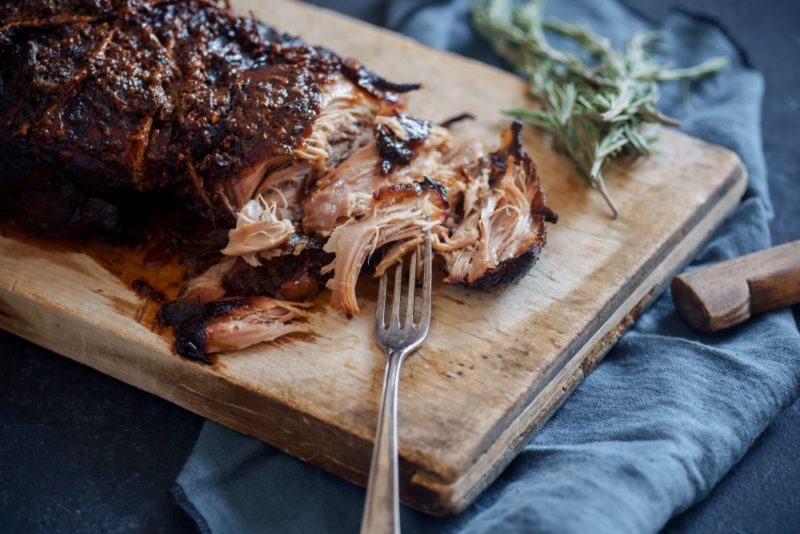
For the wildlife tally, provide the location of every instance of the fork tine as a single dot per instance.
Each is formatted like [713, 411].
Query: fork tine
[398, 287]
[427, 282]
[412, 281]
[380, 306]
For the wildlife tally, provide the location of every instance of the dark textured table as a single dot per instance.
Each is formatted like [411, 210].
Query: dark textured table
[80, 451]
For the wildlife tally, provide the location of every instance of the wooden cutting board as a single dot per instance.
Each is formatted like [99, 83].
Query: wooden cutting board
[496, 365]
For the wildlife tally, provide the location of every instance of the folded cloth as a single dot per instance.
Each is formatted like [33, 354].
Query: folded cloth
[649, 432]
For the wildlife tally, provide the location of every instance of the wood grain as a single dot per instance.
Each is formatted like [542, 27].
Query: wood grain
[729, 293]
[495, 366]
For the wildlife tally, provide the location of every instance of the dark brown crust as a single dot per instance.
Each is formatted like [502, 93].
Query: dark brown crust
[100, 98]
[398, 192]
[374, 84]
[447, 123]
[508, 272]
[189, 320]
[288, 277]
[511, 146]
[396, 152]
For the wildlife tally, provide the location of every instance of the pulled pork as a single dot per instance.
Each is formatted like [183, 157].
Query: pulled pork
[259, 228]
[486, 214]
[500, 228]
[347, 191]
[397, 214]
[283, 144]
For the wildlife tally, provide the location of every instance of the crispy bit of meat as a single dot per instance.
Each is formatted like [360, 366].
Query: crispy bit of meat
[455, 119]
[347, 191]
[374, 84]
[231, 324]
[501, 228]
[398, 213]
[259, 228]
[397, 138]
[294, 275]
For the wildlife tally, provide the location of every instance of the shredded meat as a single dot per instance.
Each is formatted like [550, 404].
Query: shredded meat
[285, 189]
[266, 222]
[344, 122]
[501, 228]
[397, 214]
[347, 190]
[259, 228]
[395, 252]
[252, 321]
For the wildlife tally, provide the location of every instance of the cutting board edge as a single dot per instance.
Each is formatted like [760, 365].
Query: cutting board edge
[457, 495]
[458, 489]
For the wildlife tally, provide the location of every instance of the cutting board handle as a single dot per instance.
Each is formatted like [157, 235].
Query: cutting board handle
[726, 294]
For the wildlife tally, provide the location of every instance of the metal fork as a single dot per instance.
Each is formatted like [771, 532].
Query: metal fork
[382, 507]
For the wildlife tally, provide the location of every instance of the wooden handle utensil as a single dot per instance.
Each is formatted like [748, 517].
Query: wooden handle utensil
[729, 293]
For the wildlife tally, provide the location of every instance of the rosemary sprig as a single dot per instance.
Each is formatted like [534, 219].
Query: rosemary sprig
[596, 109]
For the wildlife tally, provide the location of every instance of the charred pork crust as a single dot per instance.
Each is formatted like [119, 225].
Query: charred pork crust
[512, 138]
[392, 194]
[15, 14]
[201, 329]
[447, 123]
[288, 277]
[507, 272]
[397, 139]
[120, 96]
[189, 319]
[374, 84]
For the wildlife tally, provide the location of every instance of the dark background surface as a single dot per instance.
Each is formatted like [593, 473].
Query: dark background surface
[80, 451]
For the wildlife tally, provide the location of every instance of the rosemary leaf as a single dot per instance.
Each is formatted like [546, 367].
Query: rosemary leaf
[597, 109]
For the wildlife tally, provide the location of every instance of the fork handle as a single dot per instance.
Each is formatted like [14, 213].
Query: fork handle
[382, 507]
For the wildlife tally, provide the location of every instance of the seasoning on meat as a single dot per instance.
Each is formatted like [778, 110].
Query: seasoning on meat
[307, 161]
[102, 99]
